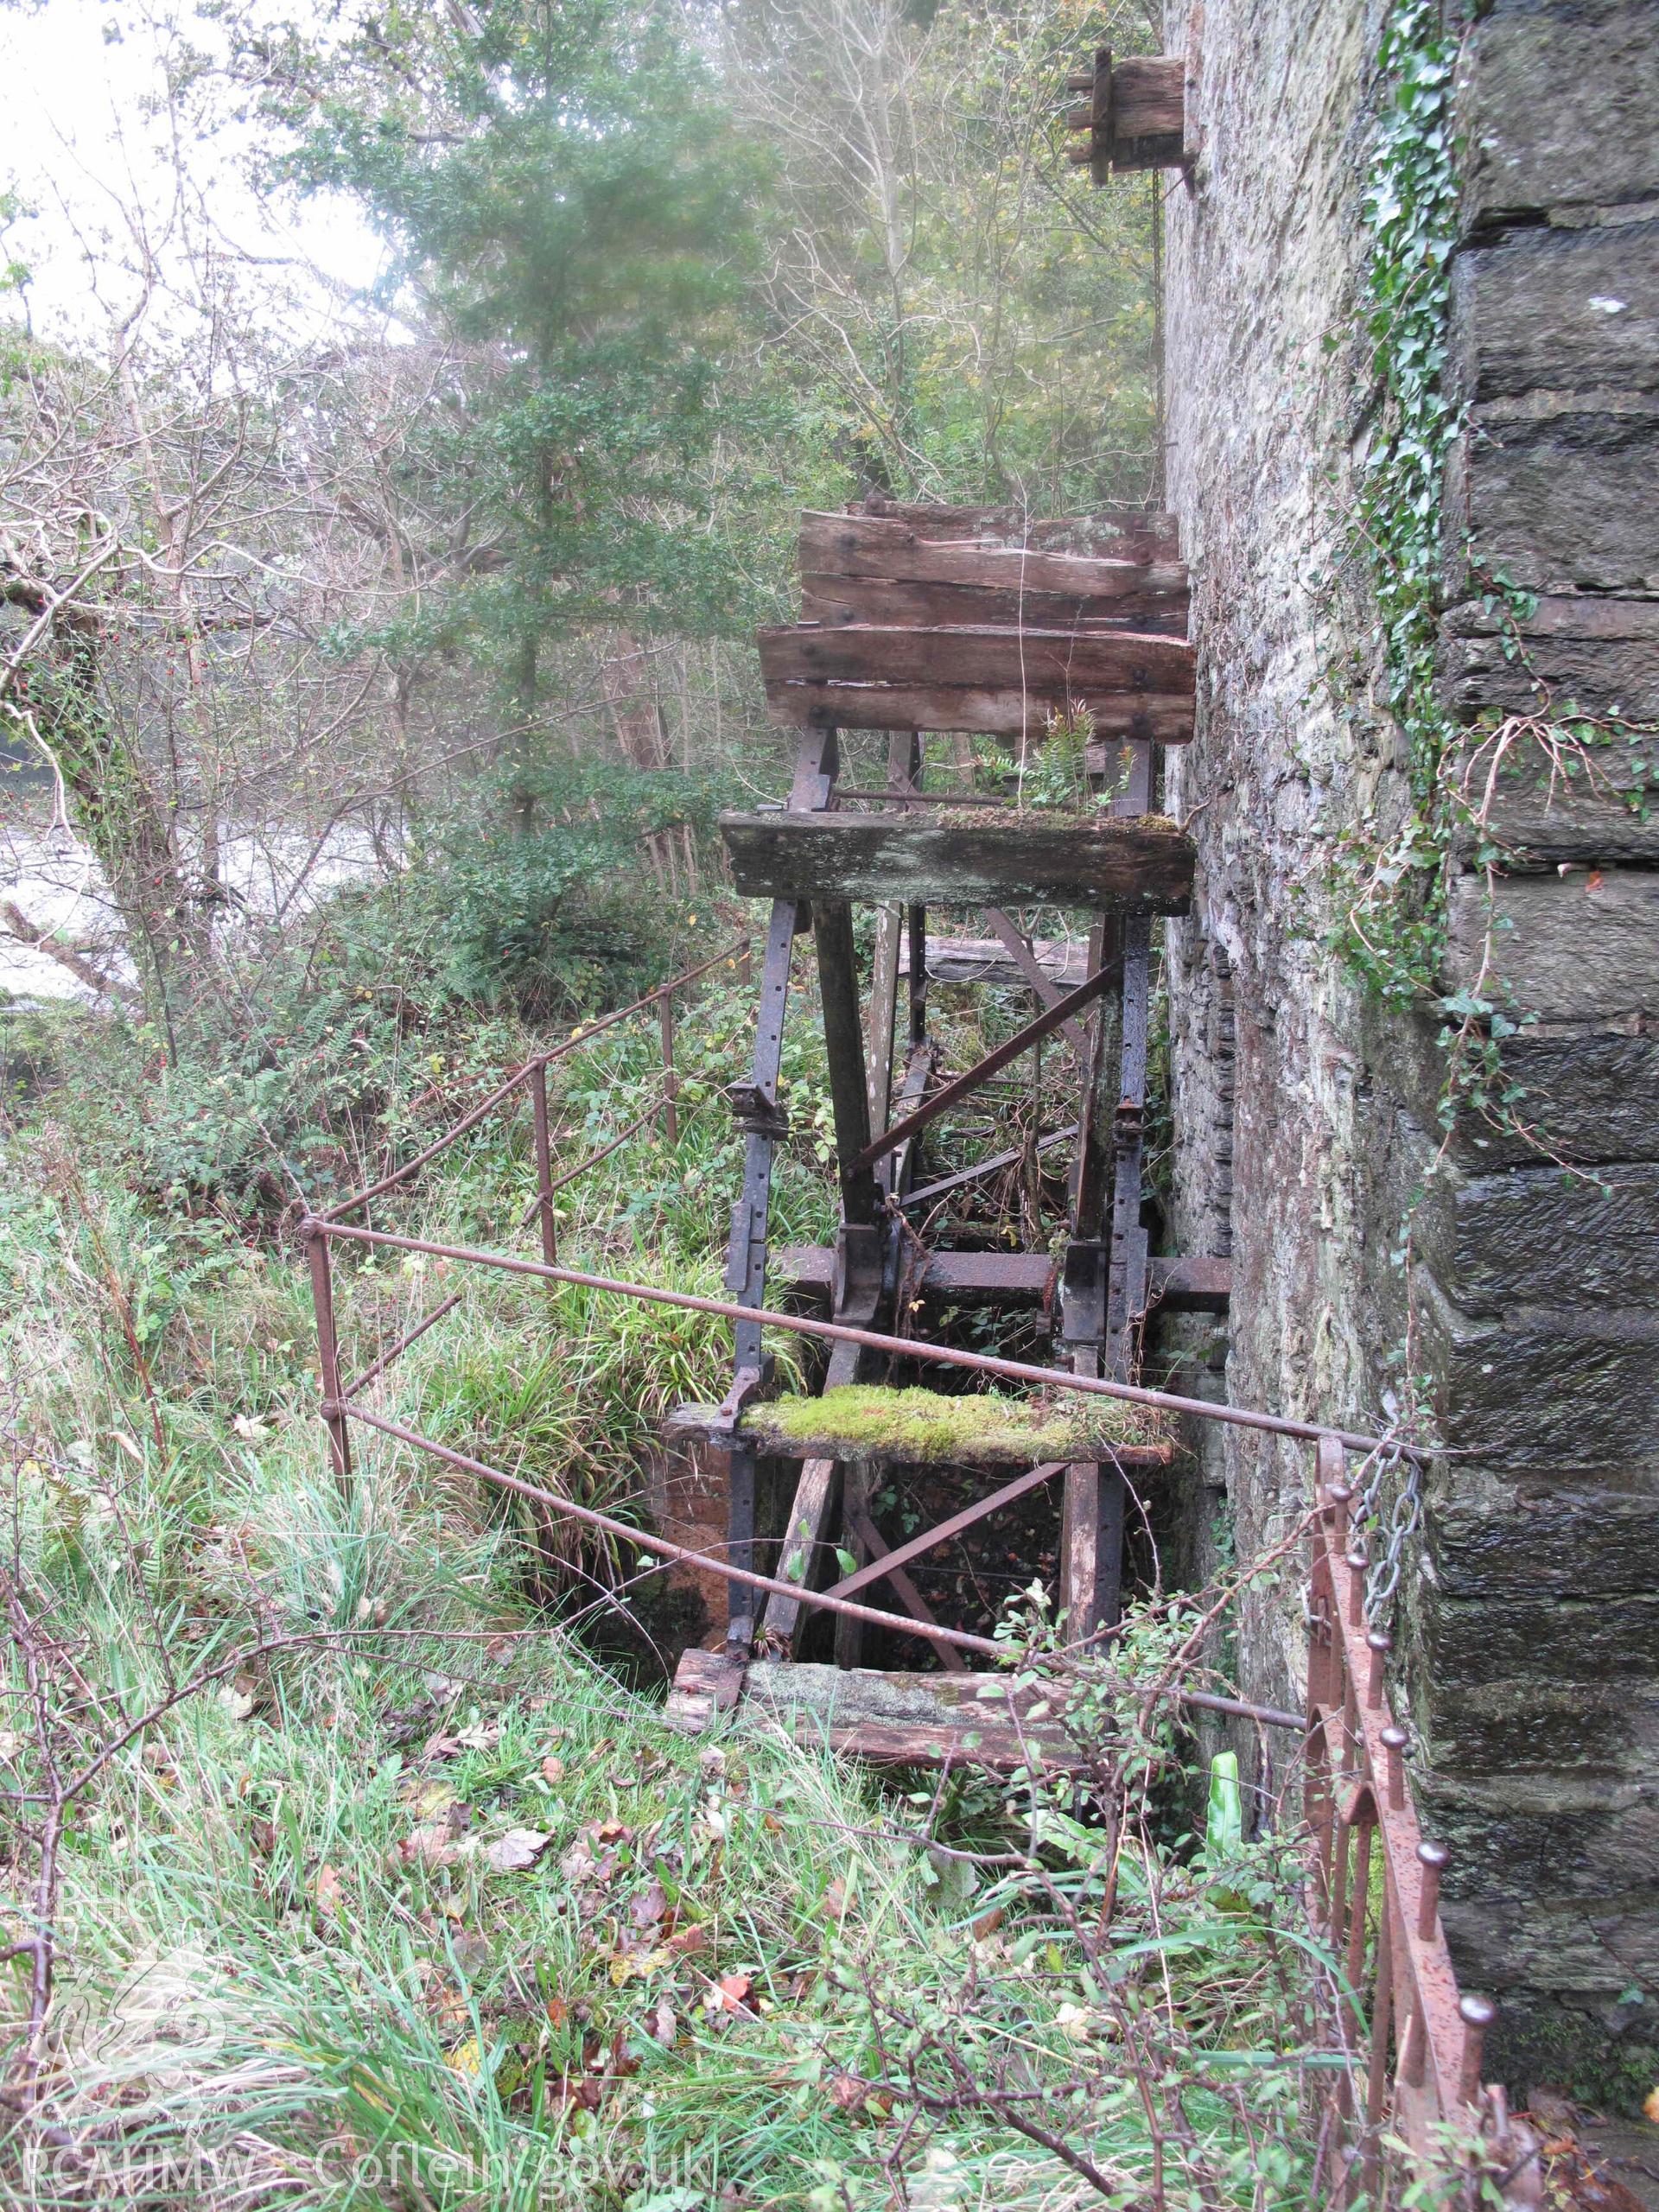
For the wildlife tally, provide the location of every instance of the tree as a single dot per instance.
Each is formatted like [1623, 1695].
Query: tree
[980, 323]
[570, 203]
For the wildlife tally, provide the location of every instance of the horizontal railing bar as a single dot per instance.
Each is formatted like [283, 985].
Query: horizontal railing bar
[801, 1324]
[411, 1336]
[578, 1036]
[1207, 1701]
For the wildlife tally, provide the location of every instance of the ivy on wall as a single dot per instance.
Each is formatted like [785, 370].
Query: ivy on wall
[1392, 929]
[1394, 884]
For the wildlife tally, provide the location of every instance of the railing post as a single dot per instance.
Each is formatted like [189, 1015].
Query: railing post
[670, 1081]
[1477, 2014]
[315, 1237]
[1432, 1858]
[543, 1164]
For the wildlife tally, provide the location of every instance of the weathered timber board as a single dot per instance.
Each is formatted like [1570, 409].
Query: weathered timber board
[1180, 1284]
[984, 960]
[983, 656]
[1138, 865]
[853, 546]
[691, 1423]
[1152, 718]
[895, 1717]
[1111, 533]
[836, 599]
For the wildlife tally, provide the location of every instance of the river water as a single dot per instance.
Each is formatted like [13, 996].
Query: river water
[58, 885]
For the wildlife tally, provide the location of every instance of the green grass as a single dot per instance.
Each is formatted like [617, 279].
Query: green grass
[285, 1950]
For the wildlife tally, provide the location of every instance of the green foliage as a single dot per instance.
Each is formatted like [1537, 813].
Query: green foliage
[563, 190]
[1393, 893]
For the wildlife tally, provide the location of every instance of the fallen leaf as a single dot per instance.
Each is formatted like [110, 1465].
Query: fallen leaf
[664, 2025]
[552, 1769]
[328, 1891]
[1594, 881]
[427, 1800]
[518, 1848]
[577, 1864]
[557, 2012]
[847, 2093]
[237, 1703]
[470, 1951]
[432, 1844]
[1650, 2106]
[611, 1831]
[692, 1938]
[649, 1906]
[481, 1736]
[729, 1995]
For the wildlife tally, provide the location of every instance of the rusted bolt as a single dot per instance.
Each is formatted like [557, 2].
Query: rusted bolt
[1337, 1498]
[330, 1409]
[1477, 2014]
[1379, 1643]
[1432, 1858]
[309, 1227]
[1394, 1743]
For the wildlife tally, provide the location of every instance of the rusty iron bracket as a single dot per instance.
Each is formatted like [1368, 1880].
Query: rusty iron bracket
[756, 1111]
[746, 1385]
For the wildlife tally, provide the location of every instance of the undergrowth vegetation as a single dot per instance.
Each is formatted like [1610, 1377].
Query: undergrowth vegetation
[348, 1876]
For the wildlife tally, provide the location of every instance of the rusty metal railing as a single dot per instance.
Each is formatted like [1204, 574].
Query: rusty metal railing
[1417, 2038]
[316, 1229]
[1412, 2090]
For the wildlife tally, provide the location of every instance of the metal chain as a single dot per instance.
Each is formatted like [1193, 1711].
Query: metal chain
[1388, 1501]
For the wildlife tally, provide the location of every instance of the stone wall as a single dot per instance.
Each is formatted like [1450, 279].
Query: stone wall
[1529, 1631]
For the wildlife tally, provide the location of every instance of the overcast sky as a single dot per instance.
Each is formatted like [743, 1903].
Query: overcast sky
[79, 137]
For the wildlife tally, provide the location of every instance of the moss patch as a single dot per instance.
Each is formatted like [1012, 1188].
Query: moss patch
[922, 1426]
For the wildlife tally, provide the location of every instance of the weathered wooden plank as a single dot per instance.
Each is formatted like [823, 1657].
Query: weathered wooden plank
[1180, 1284]
[1111, 533]
[689, 1422]
[985, 657]
[1063, 961]
[836, 598]
[1162, 718]
[879, 549]
[809, 1517]
[896, 1717]
[1091, 1548]
[1142, 866]
[1148, 101]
